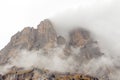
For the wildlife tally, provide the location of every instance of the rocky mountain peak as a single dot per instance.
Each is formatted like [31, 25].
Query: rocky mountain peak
[31, 39]
[46, 35]
[79, 37]
[45, 25]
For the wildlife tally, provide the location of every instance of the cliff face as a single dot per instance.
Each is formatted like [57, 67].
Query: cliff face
[45, 37]
[31, 39]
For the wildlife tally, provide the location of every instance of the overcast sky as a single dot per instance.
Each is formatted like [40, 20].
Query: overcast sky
[17, 14]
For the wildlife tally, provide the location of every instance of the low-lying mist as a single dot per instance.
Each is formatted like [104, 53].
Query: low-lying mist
[56, 61]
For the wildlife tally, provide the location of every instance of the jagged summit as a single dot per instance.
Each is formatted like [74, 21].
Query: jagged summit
[45, 24]
[45, 37]
[30, 39]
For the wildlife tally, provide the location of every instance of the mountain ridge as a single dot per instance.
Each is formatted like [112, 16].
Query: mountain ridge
[46, 37]
[78, 50]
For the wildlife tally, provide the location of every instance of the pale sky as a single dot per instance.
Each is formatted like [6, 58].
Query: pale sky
[17, 14]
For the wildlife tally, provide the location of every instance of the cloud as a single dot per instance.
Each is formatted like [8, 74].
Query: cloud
[100, 17]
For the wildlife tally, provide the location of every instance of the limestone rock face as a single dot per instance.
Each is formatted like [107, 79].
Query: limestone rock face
[24, 39]
[31, 39]
[81, 38]
[21, 40]
[46, 35]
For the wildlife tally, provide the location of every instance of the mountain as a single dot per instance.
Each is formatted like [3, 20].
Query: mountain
[45, 37]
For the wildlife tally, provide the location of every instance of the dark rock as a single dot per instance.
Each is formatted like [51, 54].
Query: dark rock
[79, 37]
[61, 40]
[34, 74]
